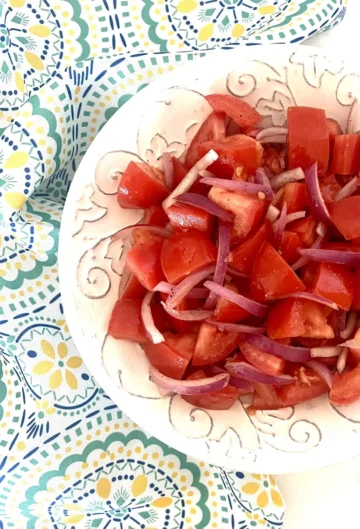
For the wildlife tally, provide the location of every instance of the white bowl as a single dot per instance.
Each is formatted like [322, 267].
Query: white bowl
[164, 117]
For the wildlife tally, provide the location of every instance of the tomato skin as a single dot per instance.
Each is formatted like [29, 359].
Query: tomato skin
[213, 128]
[345, 388]
[130, 288]
[141, 186]
[242, 113]
[272, 160]
[290, 244]
[294, 197]
[244, 254]
[271, 276]
[334, 130]
[155, 215]
[227, 311]
[217, 400]
[126, 322]
[308, 273]
[212, 345]
[346, 154]
[292, 317]
[186, 252]
[308, 138]
[184, 217]
[233, 151]
[266, 362]
[356, 299]
[308, 385]
[144, 258]
[305, 229]
[336, 283]
[345, 215]
[172, 356]
[265, 397]
[329, 187]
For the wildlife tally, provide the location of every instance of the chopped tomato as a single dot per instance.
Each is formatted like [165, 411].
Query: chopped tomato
[346, 155]
[334, 130]
[126, 322]
[217, 400]
[243, 255]
[233, 151]
[308, 138]
[271, 277]
[308, 273]
[272, 160]
[232, 128]
[180, 171]
[249, 210]
[141, 186]
[130, 286]
[185, 253]
[237, 109]
[184, 217]
[329, 187]
[213, 128]
[335, 282]
[172, 356]
[345, 388]
[306, 230]
[294, 197]
[345, 215]
[308, 385]
[290, 244]
[155, 215]
[144, 258]
[183, 326]
[265, 397]
[227, 311]
[266, 362]
[356, 299]
[240, 174]
[160, 317]
[212, 345]
[292, 317]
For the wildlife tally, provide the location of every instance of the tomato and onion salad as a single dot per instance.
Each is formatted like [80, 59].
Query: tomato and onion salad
[244, 275]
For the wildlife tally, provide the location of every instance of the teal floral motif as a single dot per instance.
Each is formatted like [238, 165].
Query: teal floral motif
[3, 390]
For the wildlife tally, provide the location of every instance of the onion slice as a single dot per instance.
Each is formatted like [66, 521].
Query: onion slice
[262, 178]
[126, 232]
[190, 387]
[187, 315]
[271, 131]
[204, 203]
[168, 170]
[314, 297]
[184, 287]
[239, 185]
[168, 288]
[236, 327]
[294, 175]
[288, 352]
[272, 213]
[279, 226]
[325, 352]
[250, 372]
[341, 362]
[304, 260]
[190, 178]
[350, 326]
[237, 382]
[348, 189]
[353, 344]
[322, 370]
[275, 138]
[257, 309]
[221, 263]
[151, 331]
[332, 256]
[319, 207]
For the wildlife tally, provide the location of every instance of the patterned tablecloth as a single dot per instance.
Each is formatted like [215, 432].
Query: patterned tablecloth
[69, 458]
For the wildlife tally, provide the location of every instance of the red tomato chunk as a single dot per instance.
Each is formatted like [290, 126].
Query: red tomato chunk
[141, 186]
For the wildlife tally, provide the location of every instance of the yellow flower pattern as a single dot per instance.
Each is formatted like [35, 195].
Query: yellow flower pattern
[59, 367]
[263, 487]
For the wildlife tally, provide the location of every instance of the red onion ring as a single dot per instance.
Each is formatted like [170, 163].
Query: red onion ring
[168, 288]
[168, 170]
[325, 352]
[321, 229]
[151, 331]
[205, 204]
[190, 387]
[236, 327]
[322, 370]
[250, 372]
[319, 208]
[271, 131]
[126, 232]
[293, 175]
[350, 327]
[188, 315]
[235, 273]
[348, 189]
[341, 363]
[352, 344]
[288, 352]
[304, 260]
[257, 309]
[332, 256]
[275, 138]
[238, 185]
[235, 381]
[184, 287]
[313, 297]
[279, 226]
[221, 263]
[262, 178]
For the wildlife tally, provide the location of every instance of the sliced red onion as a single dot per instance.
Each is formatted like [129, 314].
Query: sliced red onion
[350, 258]
[351, 324]
[237, 327]
[314, 297]
[126, 232]
[319, 208]
[253, 133]
[271, 131]
[168, 170]
[304, 260]
[288, 352]
[341, 363]
[321, 229]
[325, 352]
[221, 263]
[205, 204]
[237, 382]
[239, 185]
[235, 273]
[294, 175]
[322, 370]
[348, 189]
[352, 344]
[184, 287]
[188, 315]
[195, 293]
[279, 226]
[272, 213]
[190, 178]
[262, 178]
[289, 218]
[190, 387]
[275, 138]
[257, 309]
[351, 118]
[151, 331]
[250, 372]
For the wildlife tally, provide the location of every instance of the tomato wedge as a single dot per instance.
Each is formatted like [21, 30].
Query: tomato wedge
[184, 217]
[155, 215]
[305, 229]
[141, 186]
[212, 345]
[144, 258]
[308, 385]
[183, 326]
[290, 244]
[271, 277]
[346, 215]
[356, 299]
[308, 273]
[345, 388]
[237, 109]
[346, 154]
[292, 317]
[185, 253]
[266, 362]
[329, 187]
[334, 130]
[335, 282]
[265, 397]
[243, 256]
[272, 160]
[227, 311]
[217, 400]
[308, 138]
[126, 323]
[130, 286]
[172, 356]
[294, 197]
[213, 128]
